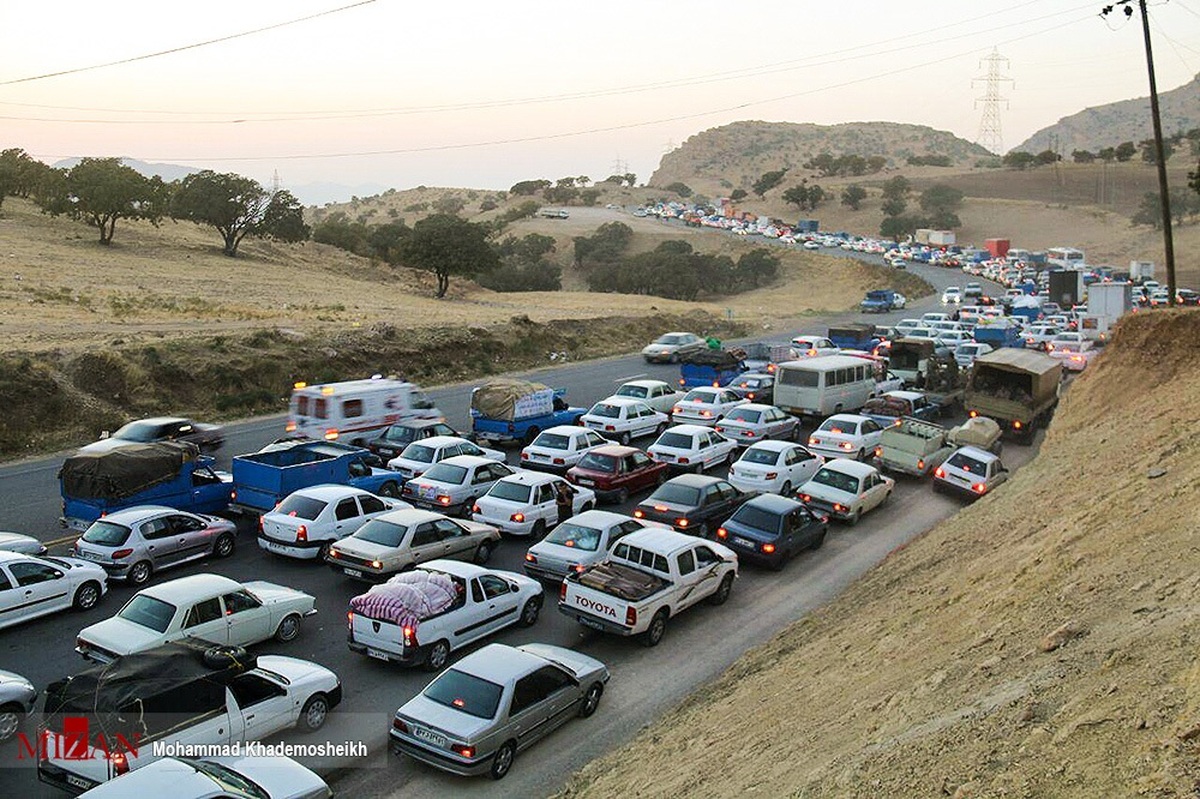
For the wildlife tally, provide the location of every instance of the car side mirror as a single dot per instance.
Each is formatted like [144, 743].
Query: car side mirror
[104, 434]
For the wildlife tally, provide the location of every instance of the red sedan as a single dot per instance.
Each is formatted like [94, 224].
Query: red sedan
[614, 472]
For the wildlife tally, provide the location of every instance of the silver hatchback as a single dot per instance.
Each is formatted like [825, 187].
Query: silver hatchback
[134, 543]
[479, 713]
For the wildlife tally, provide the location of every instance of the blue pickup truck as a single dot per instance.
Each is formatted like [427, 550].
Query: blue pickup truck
[854, 336]
[878, 301]
[711, 368]
[171, 473]
[506, 410]
[262, 479]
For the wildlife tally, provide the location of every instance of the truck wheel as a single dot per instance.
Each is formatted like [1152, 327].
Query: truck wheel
[502, 761]
[658, 627]
[722, 594]
[224, 546]
[591, 700]
[483, 553]
[390, 489]
[139, 573]
[530, 435]
[314, 713]
[529, 613]
[438, 655]
[288, 629]
[86, 597]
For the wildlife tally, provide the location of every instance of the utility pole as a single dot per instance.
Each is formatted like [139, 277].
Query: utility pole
[1159, 155]
[990, 137]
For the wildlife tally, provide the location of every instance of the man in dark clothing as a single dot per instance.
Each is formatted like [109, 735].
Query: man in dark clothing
[564, 498]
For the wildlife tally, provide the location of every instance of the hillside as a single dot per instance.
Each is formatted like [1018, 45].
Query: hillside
[1036, 644]
[735, 155]
[1125, 120]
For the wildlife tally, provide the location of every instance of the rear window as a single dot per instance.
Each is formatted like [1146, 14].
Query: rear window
[701, 395]
[675, 440]
[757, 519]
[446, 473]
[742, 415]
[472, 695]
[577, 536]
[642, 557]
[380, 532]
[106, 534]
[552, 441]
[301, 507]
[804, 378]
[675, 494]
[637, 392]
[598, 463]
[399, 434]
[961, 460]
[606, 410]
[839, 426]
[148, 612]
[418, 452]
[764, 456]
[513, 492]
[835, 479]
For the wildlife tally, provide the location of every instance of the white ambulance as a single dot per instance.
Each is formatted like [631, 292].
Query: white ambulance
[352, 411]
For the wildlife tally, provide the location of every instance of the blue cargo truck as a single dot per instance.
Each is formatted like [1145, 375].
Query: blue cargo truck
[262, 479]
[170, 473]
[711, 368]
[508, 410]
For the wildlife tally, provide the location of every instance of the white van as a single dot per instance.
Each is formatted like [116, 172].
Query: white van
[352, 410]
[824, 385]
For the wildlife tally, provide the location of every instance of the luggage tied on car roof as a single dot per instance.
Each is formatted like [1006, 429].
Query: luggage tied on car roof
[408, 598]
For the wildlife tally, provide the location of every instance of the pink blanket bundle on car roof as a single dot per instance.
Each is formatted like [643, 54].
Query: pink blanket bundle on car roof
[408, 598]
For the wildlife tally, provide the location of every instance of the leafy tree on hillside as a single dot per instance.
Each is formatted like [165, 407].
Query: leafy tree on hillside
[768, 181]
[941, 202]
[449, 205]
[1046, 157]
[1107, 154]
[604, 246]
[1083, 156]
[737, 194]
[102, 190]
[589, 197]
[523, 266]
[528, 188]
[1125, 151]
[899, 226]
[896, 187]
[1019, 159]
[853, 195]
[446, 245]
[1150, 155]
[560, 195]
[682, 189]
[237, 207]
[20, 173]
[757, 267]
[386, 241]
[339, 231]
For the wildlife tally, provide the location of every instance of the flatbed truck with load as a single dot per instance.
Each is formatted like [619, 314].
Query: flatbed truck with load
[712, 368]
[917, 447]
[507, 410]
[1019, 389]
[261, 480]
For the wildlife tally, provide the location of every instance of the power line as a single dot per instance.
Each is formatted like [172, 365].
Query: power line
[990, 137]
[181, 49]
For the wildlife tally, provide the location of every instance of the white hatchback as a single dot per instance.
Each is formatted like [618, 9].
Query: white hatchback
[309, 520]
[420, 455]
[774, 466]
[813, 346]
[659, 395]
[525, 503]
[705, 406]
[846, 435]
[623, 419]
[561, 447]
[452, 486]
[691, 448]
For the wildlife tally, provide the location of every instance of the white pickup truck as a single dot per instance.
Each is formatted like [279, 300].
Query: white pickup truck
[650, 576]
[481, 602]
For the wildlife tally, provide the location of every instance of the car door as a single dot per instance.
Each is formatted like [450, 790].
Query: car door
[190, 538]
[456, 542]
[158, 535]
[248, 620]
[804, 529]
[527, 717]
[208, 491]
[425, 543]
[690, 579]
[347, 517]
[205, 620]
[637, 472]
[870, 431]
[562, 696]
[500, 603]
[711, 503]
[266, 707]
[802, 465]
[544, 506]
[37, 588]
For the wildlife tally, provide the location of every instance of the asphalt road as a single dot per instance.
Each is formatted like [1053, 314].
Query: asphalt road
[698, 646]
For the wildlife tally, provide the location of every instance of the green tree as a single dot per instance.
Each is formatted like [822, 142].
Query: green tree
[386, 242]
[896, 187]
[1083, 156]
[900, 225]
[449, 205]
[1019, 159]
[237, 207]
[757, 267]
[446, 245]
[339, 231]
[894, 206]
[940, 197]
[589, 197]
[102, 190]
[1150, 154]
[768, 181]
[20, 173]
[528, 188]
[1107, 154]
[737, 194]
[1046, 157]
[853, 195]
[680, 188]
[816, 196]
[1125, 151]
[797, 196]
[560, 195]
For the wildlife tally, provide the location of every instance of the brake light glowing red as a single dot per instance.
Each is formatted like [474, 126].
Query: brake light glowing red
[772, 475]
[475, 508]
[559, 462]
[1017, 424]
[920, 464]
[120, 763]
[517, 517]
[399, 725]
[121, 553]
[630, 617]
[443, 499]
[722, 533]
[681, 522]
[465, 751]
[768, 549]
[524, 455]
[638, 514]
[331, 435]
[302, 533]
[979, 488]
[530, 557]
[973, 414]
[610, 428]
[939, 472]
[562, 592]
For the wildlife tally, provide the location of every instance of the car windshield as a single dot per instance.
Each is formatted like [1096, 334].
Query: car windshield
[757, 519]
[669, 340]
[598, 463]
[837, 426]
[418, 452]
[137, 431]
[836, 479]
[377, 531]
[230, 781]
[106, 534]
[675, 494]
[446, 473]
[148, 612]
[513, 492]
[764, 456]
[637, 392]
[674, 440]
[472, 695]
[753, 382]
[398, 434]
[302, 507]
[743, 415]
[577, 536]
[961, 460]
[701, 395]
[606, 410]
[552, 441]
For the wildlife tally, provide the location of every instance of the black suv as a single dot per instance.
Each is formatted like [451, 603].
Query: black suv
[392, 441]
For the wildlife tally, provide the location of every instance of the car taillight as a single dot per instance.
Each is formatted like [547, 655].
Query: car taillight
[80, 644]
[376, 564]
[290, 427]
[559, 462]
[806, 497]
[638, 514]
[302, 533]
[121, 553]
[972, 414]
[682, 460]
[410, 637]
[920, 462]
[768, 549]
[609, 428]
[530, 557]
[465, 751]
[676, 409]
[399, 725]
[350, 620]
[517, 517]
[838, 507]
[879, 452]
[846, 445]
[475, 508]
[750, 395]
[630, 617]
[979, 488]
[260, 523]
[1017, 424]
[524, 455]
[562, 593]
[120, 763]
[578, 568]
[772, 475]
[681, 522]
[748, 433]
[813, 441]
[939, 472]
[705, 414]
[443, 499]
[722, 533]
[331, 435]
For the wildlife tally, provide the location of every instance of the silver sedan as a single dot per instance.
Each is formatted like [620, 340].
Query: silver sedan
[478, 714]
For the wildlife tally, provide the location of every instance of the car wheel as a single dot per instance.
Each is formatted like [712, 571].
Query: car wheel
[539, 529]
[288, 628]
[439, 655]
[662, 477]
[530, 435]
[468, 503]
[624, 439]
[722, 594]
[674, 358]
[323, 550]
[862, 455]
[502, 761]
[854, 517]
[222, 657]
[10, 720]
[658, 627]
[586, 507]
[483, 554]
[622, 496]
[86, 597]
[591, 700]
[140, 572]
[701, 531]
[529, 613]
[224, 546]
[314, 713]
[786, 489]
[819, 540]
[390, 489]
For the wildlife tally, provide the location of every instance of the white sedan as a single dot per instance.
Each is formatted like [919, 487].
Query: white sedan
[1074, 357]
[205, 606]
[218, 778]
[774, 466]
[899, 301]
[560, 448]
[18, 542]
[753, 422]
[33, 586]
[420, 455]
[659, 395]
[691, 448]
[579, 542]
[846, 435]
[952, 295]
[527, 503]
[624, 419]
[705, 406]
[452, 486]
[308, 521]
[846, 489]
[813, 346]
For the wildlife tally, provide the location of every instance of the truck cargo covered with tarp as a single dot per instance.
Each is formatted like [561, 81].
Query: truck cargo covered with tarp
[510, 399]
[124, 471]
[409, 598]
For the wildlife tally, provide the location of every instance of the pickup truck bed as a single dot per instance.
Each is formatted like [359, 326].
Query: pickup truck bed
[622, 581]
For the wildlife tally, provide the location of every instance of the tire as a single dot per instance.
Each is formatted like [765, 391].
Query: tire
[786, 489]
[530, 612]
[853, 520]
[223, 547]
[483, 553]
[530, 435]
[820, 540]
[591, 700]
[288, 629]
[622, 496]
[701, 531]
[10, 721]
[624, 439]
[662, 477]
[467, 505]
[139, 572]
[222, 657]
[657, 629]
[862, 456]
[674, 358]
[722, 594]
[323, 550]
[314, 713]
[539, 529]
[438, 656]
[390, 489]
[502, 761]
[86, 598]
[586, 507]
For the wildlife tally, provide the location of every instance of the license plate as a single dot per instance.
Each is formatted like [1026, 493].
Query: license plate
[90, 555]
[583, 482]
[429, 493]
[430, 736]
[586, 622]
[538, 457]
[273, 547]
[743, 542]
[79, 782]
[353, 572]
[377, 653]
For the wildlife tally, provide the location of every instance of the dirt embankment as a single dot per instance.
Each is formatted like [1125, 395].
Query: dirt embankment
[1039, 644]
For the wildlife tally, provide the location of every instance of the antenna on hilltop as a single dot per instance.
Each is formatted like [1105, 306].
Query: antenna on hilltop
[990, 137]
[276, 183]
[620, 167]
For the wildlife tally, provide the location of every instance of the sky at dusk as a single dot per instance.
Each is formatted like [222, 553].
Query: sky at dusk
[485, 94]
